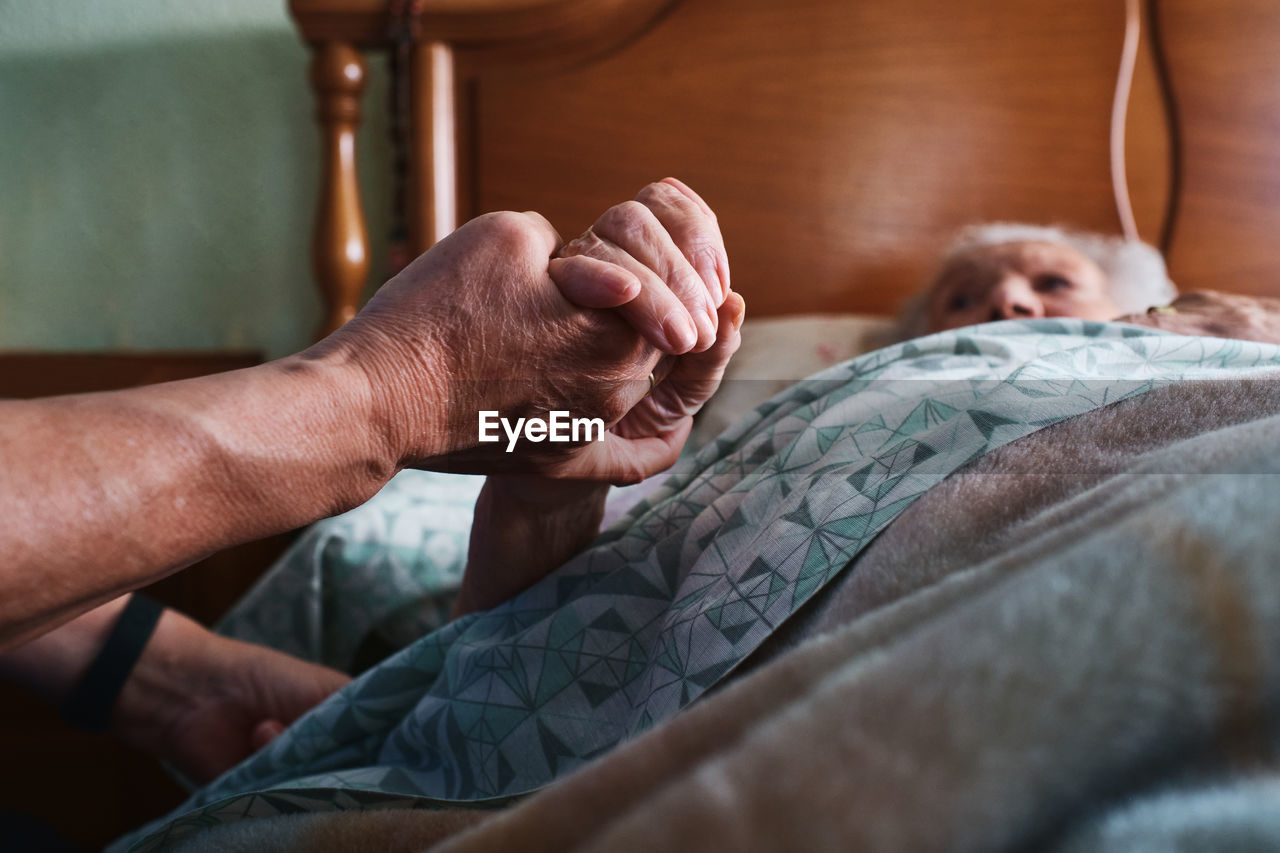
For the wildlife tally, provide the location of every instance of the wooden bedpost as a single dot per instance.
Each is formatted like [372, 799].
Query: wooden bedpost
[484, 33]
[434, 211]
[340, 251]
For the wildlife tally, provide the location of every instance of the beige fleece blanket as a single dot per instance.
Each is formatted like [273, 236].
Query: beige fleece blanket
[1066, 645]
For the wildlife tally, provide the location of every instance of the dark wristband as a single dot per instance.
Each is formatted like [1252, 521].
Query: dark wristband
[91, 703]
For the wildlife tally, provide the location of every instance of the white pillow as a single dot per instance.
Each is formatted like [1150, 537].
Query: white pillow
[778, 351]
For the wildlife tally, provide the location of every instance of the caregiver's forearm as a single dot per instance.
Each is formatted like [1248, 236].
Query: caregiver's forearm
[54, 662]
[524, 527]
[103, 493]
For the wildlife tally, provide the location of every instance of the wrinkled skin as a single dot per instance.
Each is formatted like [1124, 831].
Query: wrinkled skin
[1218, 315]
[480, 321]
[488, 319]
[528, 524]
[649, 259]
[1030, 278]
[1022, 279]
[205, 703]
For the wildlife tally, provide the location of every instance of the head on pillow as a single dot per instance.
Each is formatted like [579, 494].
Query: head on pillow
[1004, 271]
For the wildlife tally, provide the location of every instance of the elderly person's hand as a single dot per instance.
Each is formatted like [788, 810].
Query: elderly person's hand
[527, 524]
[479, 323]
[1219, 315]
[109, 492]
[684, 383]
[204, 703]
[200, 701]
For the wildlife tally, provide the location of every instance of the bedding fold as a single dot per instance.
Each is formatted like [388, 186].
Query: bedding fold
[1107, 683]
[1039, 691]
[671, 600]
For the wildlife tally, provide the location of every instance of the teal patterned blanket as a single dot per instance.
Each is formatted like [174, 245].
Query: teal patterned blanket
[669, 600]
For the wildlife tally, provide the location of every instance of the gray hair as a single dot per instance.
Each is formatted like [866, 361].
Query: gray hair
[1136, 274]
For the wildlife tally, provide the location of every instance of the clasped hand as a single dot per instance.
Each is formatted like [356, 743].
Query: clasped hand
[500, 316]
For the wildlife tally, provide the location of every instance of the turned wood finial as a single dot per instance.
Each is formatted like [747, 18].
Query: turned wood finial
[340, 251]
[434, 213]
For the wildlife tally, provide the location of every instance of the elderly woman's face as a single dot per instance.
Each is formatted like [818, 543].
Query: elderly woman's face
[1018, 280]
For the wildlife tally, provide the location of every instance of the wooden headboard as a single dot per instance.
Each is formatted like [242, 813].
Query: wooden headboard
[840, 142]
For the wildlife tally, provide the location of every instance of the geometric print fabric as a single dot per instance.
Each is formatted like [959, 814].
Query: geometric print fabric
[669, 600]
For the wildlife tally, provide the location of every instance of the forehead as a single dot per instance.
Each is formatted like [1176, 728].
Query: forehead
[1020, 256]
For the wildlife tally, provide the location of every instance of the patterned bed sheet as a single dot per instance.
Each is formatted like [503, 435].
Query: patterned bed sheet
[668, 600]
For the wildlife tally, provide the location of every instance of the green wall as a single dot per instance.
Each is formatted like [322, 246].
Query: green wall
[158, 175]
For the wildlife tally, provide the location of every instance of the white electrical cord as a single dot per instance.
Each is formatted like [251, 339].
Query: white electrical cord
[1119, 109]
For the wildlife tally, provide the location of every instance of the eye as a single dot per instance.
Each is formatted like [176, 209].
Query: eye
[960, 302]
[1051, 282]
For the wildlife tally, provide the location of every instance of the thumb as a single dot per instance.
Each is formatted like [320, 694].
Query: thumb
[626, 461]
[592, 283]
[265, 732]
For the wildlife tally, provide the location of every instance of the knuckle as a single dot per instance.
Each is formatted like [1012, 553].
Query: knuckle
[587, 244]
[662, 192]
[687, 284]
[506, 227]
[625, 222]
[659, 192]
[703, 251]
[679, 205]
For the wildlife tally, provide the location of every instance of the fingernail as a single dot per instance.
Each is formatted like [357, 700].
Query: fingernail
[705, 323]
[680, 332]
[740, 314]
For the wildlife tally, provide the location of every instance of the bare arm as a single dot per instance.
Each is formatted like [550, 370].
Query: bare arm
[524, 527]
[107, 492]
[104, 493]
[198, 700]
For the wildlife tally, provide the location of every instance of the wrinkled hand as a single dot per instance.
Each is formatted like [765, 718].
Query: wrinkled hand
[666, 232]
[686, 382]
[480, 323]
[689, 381]
[527, 524]
[204, 702]
[665, 252]
[665, 414]
[1219, 315]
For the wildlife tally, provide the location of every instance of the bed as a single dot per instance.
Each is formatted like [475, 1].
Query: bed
[802, 123]
[1065, 668]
